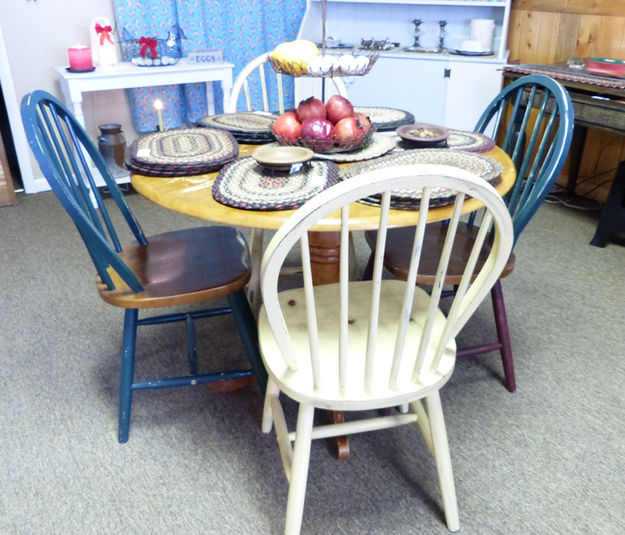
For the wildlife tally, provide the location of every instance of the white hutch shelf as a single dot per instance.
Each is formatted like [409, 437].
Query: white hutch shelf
[439, 88]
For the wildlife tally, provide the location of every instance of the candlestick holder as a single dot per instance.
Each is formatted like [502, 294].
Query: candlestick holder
[441, 36]
[416, 46]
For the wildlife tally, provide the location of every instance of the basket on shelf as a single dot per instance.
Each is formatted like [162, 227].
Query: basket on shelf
[149, 51]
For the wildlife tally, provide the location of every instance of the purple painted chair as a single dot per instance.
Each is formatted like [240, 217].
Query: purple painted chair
[532, 120]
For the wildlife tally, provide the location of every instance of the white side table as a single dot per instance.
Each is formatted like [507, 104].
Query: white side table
[127, 75]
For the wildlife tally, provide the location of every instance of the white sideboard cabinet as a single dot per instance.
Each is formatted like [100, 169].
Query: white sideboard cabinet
[445, 88]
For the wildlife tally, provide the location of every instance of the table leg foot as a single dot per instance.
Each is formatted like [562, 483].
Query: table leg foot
[342, 444]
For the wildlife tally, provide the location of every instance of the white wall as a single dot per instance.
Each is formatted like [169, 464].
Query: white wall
[36, 37]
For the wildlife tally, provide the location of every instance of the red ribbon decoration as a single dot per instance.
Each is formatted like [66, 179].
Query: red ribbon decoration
[105, 33]
[148, 43]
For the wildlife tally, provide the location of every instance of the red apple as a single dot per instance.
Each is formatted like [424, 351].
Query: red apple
[320, 131]
[337, 108]
[348, 131]
[311, 108]
[287, 126]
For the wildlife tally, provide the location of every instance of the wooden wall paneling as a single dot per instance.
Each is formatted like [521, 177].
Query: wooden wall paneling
[582, 7]
[568, 29]
[550, 31]
[610, 36]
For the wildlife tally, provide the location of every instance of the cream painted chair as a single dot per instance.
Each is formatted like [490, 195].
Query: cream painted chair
[378, 344]
[260, 70]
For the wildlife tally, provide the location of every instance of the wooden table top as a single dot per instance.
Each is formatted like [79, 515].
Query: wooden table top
[192, 195]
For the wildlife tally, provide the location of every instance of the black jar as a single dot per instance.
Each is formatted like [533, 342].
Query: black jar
[112, 145]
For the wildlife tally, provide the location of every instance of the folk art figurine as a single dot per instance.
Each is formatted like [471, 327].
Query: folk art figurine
[102, 42]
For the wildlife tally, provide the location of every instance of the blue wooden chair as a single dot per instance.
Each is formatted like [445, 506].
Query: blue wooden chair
[532, 120]
[174, 268]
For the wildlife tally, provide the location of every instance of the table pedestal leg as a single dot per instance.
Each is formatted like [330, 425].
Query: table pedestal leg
[324, 256]
[324, 260]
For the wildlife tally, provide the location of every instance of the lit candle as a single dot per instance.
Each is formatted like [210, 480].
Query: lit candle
[158, 106]
[80, 58]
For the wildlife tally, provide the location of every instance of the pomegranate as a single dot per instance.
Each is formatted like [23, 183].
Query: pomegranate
[320, 131]
[288, 126]
[363, 120]
[311, 108]
[348, 131]
[337, 108]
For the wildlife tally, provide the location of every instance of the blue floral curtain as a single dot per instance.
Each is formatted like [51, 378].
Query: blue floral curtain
[243, 28]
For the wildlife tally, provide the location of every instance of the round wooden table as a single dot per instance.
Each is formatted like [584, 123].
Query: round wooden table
[192, 195]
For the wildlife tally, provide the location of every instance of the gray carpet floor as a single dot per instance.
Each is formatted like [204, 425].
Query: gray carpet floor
[547, 459]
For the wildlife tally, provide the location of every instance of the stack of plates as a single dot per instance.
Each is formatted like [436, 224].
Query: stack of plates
[245, 126]
[183, 152]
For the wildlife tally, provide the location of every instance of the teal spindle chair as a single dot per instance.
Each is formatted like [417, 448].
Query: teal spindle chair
[170, 269]
[532, 120]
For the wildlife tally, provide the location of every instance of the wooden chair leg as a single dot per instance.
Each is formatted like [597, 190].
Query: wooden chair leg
[127, 373]
[248, 331]
[256, 255]
[272, 391]
[191, 344]
[443, 460]
[299, 472]
[503, 334]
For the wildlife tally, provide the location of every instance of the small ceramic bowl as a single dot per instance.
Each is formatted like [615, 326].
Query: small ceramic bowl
[281, 158]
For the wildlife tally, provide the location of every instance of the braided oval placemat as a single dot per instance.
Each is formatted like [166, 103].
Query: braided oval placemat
[247, 185]
[487, 168]
[182, 152]
[385, 119]
[245, 126]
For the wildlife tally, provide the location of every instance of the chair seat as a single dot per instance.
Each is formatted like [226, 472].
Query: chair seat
[397, 255]
[184, 266]
[299, 384]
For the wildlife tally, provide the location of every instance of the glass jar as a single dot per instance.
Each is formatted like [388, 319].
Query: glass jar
[112, 146]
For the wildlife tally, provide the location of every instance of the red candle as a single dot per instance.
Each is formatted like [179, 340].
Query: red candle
[80, 58]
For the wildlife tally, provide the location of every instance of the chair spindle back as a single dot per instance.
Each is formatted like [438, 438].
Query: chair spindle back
[70, 163]
[260, 70]
[401, 319]
[532, 120]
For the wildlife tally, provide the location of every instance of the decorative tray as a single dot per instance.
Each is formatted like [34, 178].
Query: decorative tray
[247, 185]
[188, 151]
[386, 119]
[472, 52]
[487, 168]
[423, 134]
